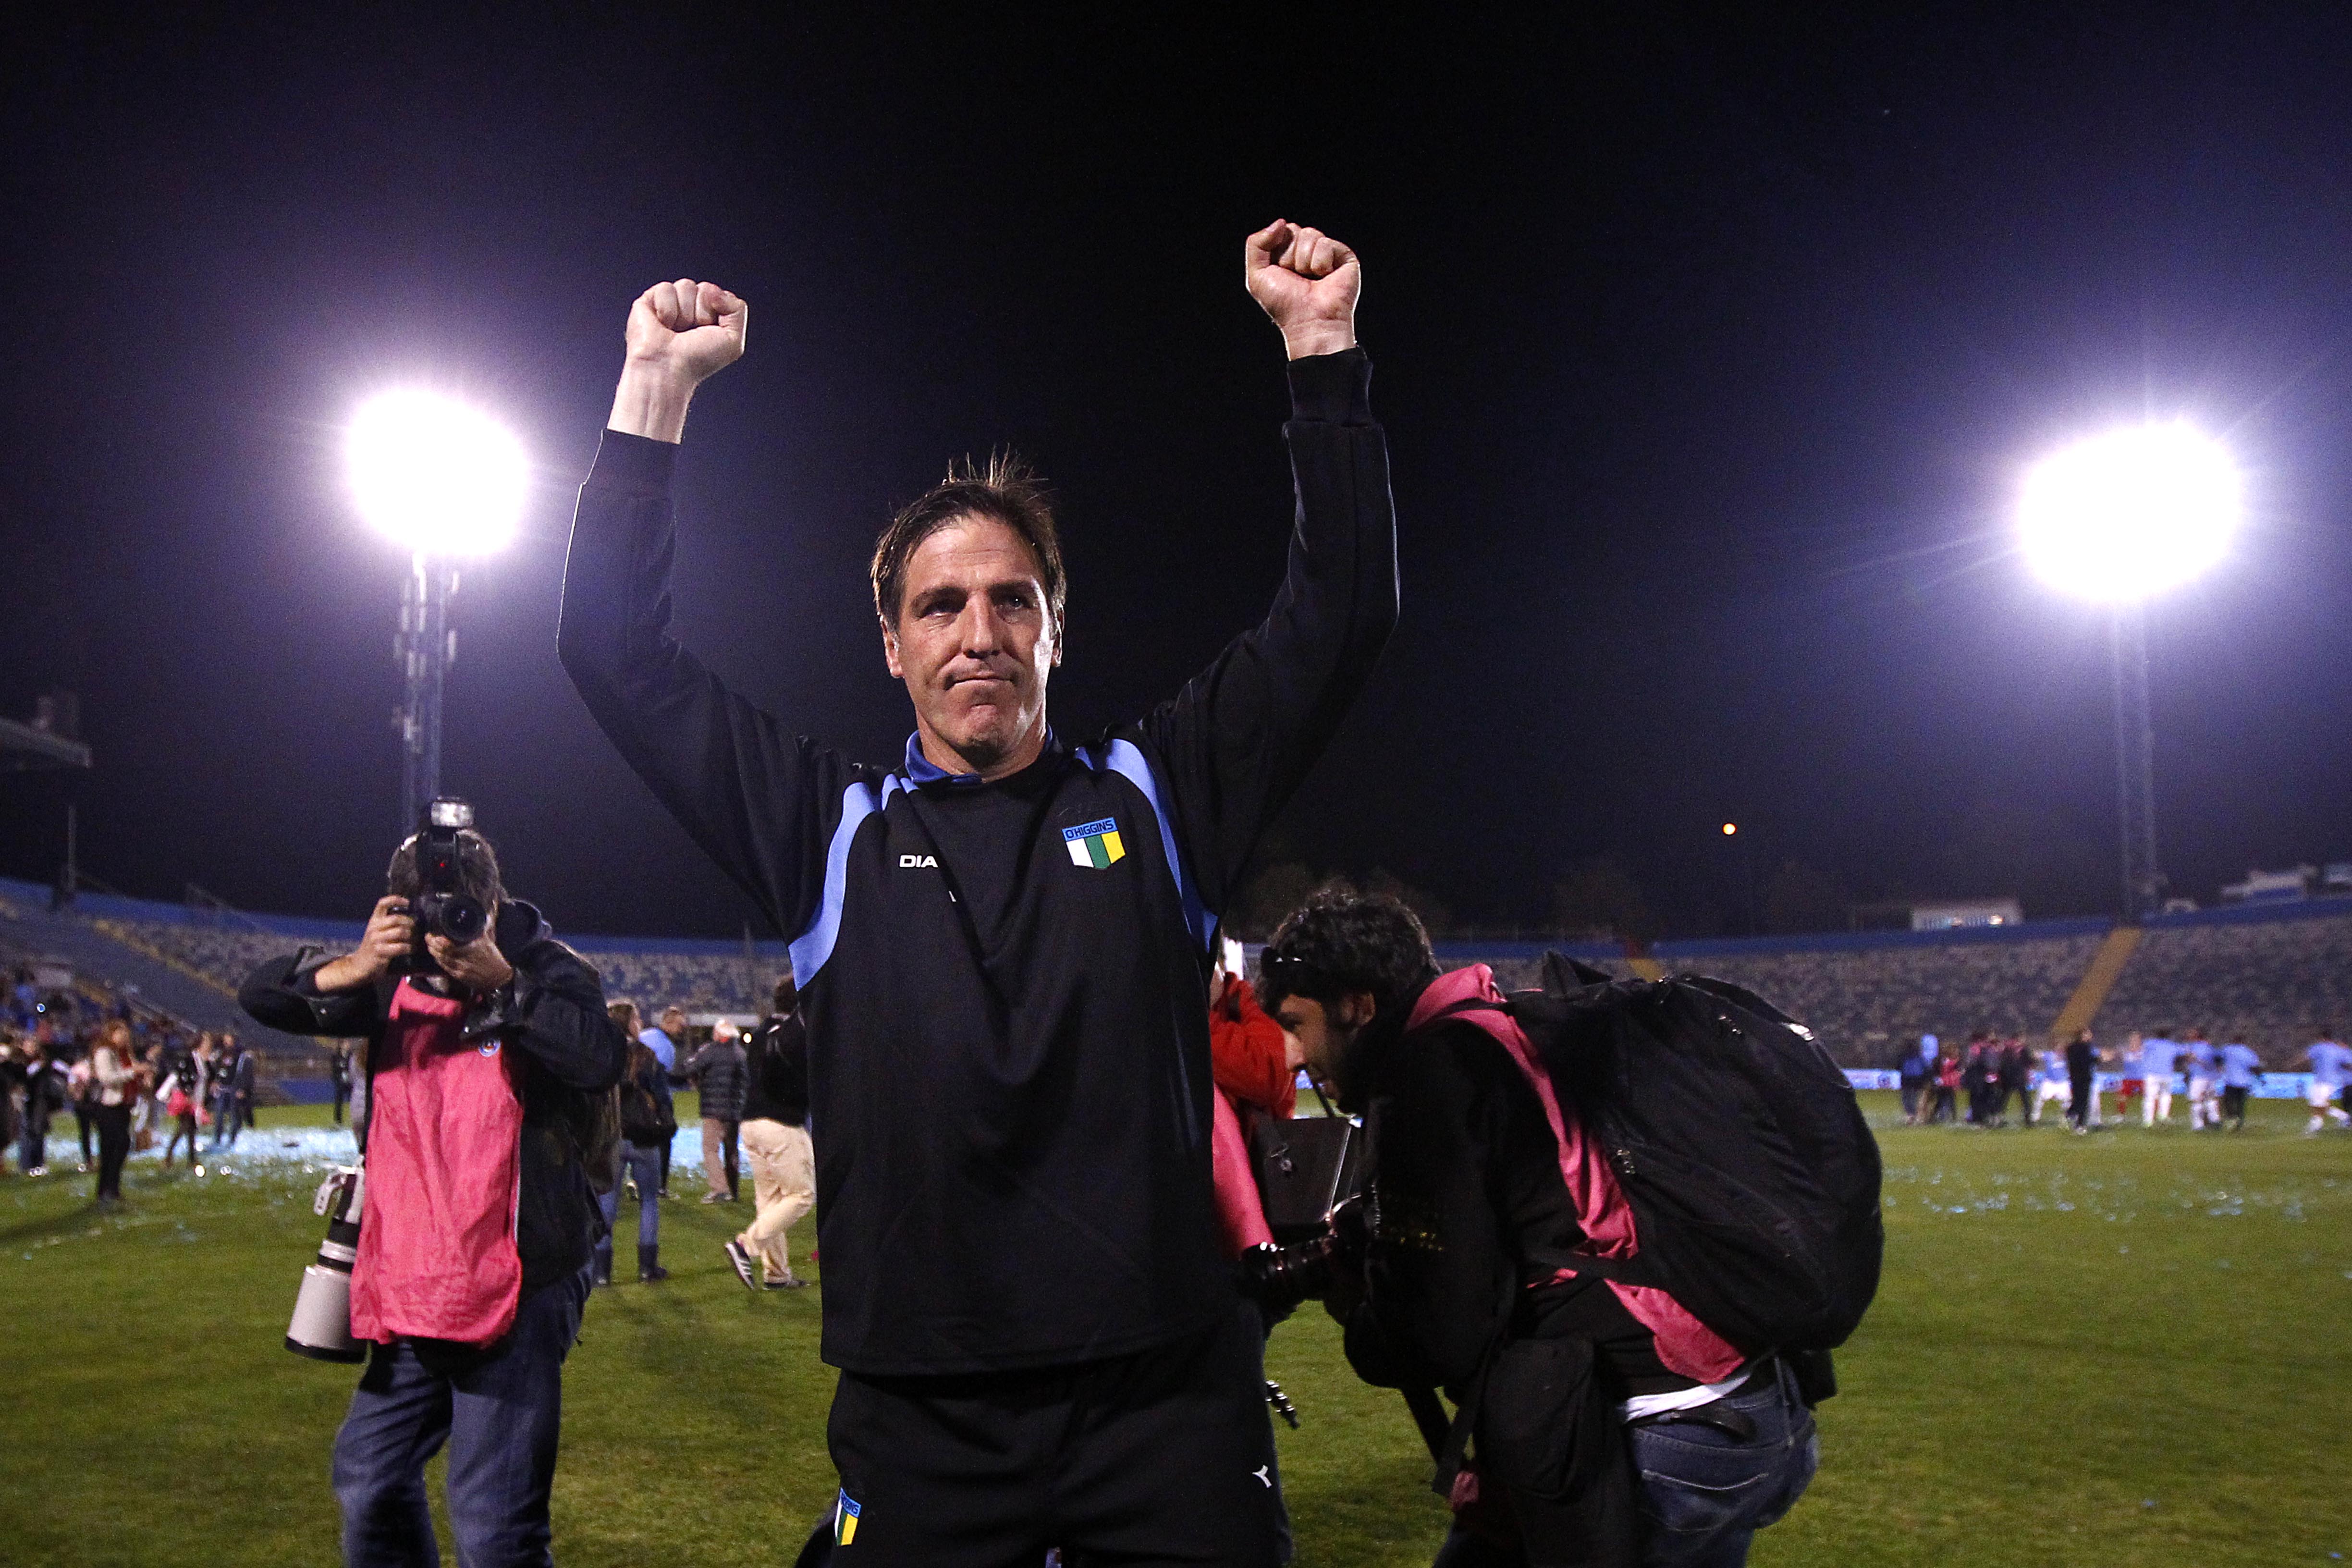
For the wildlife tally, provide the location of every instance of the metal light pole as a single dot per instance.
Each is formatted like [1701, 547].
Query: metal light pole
[2119, 519]
[426, 650]
[445, 481]
[2143, 882]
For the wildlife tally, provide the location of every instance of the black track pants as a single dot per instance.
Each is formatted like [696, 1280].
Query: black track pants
[1163, 1457]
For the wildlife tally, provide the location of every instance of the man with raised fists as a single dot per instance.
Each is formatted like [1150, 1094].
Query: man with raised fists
[1002, 946]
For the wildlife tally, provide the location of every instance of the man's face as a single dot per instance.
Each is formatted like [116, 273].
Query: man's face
[1319, 1035]
[975, 642]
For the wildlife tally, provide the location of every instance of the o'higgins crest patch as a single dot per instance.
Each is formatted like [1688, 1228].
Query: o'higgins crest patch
[1095, 845]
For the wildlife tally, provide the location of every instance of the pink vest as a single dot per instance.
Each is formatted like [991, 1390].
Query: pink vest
[1684, 1344]
[436, 1255]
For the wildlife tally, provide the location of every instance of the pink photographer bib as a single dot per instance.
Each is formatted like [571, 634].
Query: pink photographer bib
[436, 1254]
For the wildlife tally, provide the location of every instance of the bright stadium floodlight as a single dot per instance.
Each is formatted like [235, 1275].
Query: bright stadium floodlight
[440, 477]
[2126, 515]
[445, 480]
[2118, 519]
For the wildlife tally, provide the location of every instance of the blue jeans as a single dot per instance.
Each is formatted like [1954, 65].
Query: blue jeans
[643, 1167]
[498, 1409]
[1704, 1493]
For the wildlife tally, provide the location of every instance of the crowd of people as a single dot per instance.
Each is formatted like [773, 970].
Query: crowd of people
[1974, 1084]
[130, 1075]
[752, 1090]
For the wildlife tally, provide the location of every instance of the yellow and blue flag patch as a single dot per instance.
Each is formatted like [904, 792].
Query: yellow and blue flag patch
[1095, 845]
[844, 1519]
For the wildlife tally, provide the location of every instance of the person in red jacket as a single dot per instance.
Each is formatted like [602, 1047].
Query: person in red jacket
[1250, 1061]
[1948, 1087]
[1250, 1055]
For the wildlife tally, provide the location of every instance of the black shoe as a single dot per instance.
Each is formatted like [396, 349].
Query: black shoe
[744, 1268]
[649, 1269]
[794, 1283]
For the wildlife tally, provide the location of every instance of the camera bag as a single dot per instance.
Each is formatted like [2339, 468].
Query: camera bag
[1304, 1167]
[1737, 1144]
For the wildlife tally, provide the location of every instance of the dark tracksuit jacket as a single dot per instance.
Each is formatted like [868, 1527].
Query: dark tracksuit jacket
[1004, 985]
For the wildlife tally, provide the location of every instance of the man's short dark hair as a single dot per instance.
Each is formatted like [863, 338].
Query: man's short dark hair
[788, 995]
[1005, 492]
[478, 871]
[1340, 942]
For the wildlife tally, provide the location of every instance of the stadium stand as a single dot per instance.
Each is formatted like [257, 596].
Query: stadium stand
[212, 952]
[2276, 977]
[81, 940]
[1866, 994]
[700, 977]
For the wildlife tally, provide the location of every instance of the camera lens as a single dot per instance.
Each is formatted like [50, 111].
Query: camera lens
[462, 919]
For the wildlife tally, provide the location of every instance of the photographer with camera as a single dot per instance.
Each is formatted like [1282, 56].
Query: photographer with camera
[1607, 1424]
[488, 1056]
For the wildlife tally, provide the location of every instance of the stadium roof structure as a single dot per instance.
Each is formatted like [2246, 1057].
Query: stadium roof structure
[26, 747]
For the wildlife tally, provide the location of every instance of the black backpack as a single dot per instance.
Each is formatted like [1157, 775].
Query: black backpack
[1753, 1179]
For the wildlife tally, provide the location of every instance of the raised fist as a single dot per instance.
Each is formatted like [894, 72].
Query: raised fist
[1307, 282]
[686, 329]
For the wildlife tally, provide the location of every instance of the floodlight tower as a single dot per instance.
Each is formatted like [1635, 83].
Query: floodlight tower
[2119, 519]
[447, 482]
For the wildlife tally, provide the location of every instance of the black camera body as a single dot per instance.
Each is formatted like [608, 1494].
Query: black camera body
[442, 906]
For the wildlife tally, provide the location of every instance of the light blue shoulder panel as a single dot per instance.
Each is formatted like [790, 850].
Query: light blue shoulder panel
[814, 946]
[1126, 759]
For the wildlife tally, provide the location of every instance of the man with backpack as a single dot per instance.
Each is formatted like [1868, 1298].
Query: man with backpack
[1507, 1254]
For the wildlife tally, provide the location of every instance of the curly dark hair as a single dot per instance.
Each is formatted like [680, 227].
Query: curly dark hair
[1340, 941]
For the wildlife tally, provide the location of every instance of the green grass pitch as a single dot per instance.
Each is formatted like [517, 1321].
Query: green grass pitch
[2126, 1349]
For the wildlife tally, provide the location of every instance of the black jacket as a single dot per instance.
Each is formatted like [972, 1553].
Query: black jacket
[717, 1070]
[1475, 1219]
[647, 1117]
[1003, 984]
[45, 1091]
[572, 1052]
[776, 1083]
[1473, 1224]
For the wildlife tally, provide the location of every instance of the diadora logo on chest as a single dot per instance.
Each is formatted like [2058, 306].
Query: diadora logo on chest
[1095, 845]
[916, 862]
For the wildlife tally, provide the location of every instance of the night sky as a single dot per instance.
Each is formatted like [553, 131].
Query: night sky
[1710, 349]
